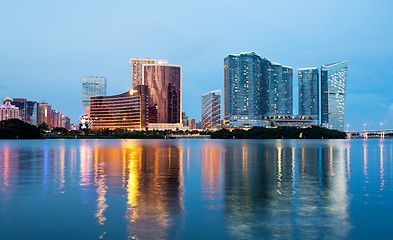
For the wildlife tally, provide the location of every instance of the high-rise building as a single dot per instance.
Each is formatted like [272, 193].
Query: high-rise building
[211, 110]
[278, 83]
[92, 87]
[308, 80]
[333, 88]
[44, 113]
[164, 85]
[286, 98]
[137, 70]
[65, 122]
[191, 123]
[56, 118]
[255, 87]
[242, 89]
[127, 110]
[21, 103]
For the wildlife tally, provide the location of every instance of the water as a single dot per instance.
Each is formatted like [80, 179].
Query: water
[196, 189]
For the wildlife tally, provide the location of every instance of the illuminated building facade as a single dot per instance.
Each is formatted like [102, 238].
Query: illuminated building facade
[211, 110]
[242, 90]
[164, 85]
[55, 118]
[44, 113]
[92, 87]
[9, 111]
[290, 121]
[278, 81]
[85, 122]
[255, 87]
[333, 88]
[308, 80]
[285, 102]
[127, 110]
[137, 70]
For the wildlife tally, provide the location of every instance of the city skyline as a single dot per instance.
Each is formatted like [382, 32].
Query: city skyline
[46, 56]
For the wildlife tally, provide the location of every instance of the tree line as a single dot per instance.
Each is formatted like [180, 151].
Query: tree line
[17, 129]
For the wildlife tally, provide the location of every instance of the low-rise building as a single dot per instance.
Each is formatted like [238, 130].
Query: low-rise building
[290, 121]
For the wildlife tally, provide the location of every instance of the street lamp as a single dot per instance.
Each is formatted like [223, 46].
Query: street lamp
[380, 126]
[364, 127]
[347, 127]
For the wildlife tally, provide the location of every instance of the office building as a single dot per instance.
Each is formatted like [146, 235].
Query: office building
[92, 87]
[127, 110]
[44, 113]
[184, 119]
[333, 89]
[308, 85]
[211, 110]
[164, 86]
[65, 122]
[21, 103]
[137, 70]
[242, 90]
[9, 111]
[28, 110]
[191, 123]
[56, 118]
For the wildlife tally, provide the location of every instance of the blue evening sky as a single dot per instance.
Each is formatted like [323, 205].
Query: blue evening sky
[47, 46]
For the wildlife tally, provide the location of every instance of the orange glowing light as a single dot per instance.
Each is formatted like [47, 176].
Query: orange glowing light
[132, 91]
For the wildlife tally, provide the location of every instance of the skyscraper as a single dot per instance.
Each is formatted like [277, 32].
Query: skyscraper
[242, 90]
[92, 87]
[286, 98]
[211, 110]
[308, 80]
[278, 83]
[333, 88]
[164, 83]
[44, 113]
[137, 70]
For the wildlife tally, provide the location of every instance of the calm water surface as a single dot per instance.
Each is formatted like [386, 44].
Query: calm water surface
[196, 189]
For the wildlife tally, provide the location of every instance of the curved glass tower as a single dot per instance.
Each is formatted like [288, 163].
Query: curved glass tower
[333, 88]
[211, 110]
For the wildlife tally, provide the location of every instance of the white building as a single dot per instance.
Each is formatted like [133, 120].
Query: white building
[8, 111]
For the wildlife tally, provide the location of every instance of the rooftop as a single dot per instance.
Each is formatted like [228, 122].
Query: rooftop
[333, 64]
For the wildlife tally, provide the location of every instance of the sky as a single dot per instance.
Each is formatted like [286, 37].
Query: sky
[48, 46]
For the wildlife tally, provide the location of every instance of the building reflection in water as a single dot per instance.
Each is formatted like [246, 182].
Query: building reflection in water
[265, 196]
[257, 189]
[382, 170]
[211, 185]
[154, 190]
[152, 178]
[365, 163]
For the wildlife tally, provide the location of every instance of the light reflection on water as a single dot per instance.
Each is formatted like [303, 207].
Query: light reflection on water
[239, 189]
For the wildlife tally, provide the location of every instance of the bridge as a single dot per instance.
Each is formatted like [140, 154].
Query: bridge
[366, 133]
